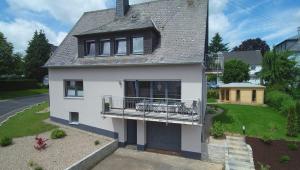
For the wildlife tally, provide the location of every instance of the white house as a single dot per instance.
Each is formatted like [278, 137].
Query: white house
[135, 73]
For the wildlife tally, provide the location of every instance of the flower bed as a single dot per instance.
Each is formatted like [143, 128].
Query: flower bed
[273, 153]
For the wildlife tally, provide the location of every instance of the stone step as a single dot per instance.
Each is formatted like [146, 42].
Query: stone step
[245, 149]
[238, 152]
[240, 164]
[235, 138]
[233, 142]
[244, 158]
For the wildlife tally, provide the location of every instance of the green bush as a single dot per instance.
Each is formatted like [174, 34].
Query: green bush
[211, 111]
[96, 142]
[5, 141]
[217, 131]
[279, 100]
[58, 133]
[292, 128]
[264, 166]
[267, 139]
[285, 159]
[293, 146]
[38, 168]
[298, 115]
[213, 94]
[10, 85]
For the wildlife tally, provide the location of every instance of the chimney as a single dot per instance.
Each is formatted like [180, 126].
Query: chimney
[121, 7]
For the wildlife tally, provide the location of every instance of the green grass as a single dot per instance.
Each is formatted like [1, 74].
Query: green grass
[21, 93]
[258, 120]
[211, 100]
[27, 123]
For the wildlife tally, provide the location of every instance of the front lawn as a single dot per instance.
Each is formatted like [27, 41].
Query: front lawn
[211, 100]
[27, 123]
[21, 93]
[258, 120]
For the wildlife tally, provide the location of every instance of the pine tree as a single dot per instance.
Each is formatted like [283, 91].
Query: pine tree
[292, 127]
[38, 52]
[6, 56]
[217, 45]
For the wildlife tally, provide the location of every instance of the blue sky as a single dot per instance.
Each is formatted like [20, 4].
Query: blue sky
[235, 20]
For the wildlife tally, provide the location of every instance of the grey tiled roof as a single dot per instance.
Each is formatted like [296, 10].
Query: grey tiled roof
[249, 57]
[121, 25]
[182, 25]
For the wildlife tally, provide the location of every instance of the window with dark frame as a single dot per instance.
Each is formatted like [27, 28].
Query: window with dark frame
[105, 47]
[253, 95]
[121, 46]
[74, 117]
[90, 48]
[73, 88]
[238, 95]
[138, 45]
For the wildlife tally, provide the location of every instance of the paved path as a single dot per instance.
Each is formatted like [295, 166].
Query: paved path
[11, 106]
[239, 155]
[137, 160]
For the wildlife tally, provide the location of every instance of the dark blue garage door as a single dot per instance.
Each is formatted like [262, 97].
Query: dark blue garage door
[162, 136]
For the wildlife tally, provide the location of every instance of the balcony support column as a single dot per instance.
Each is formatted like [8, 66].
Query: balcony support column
[141, 134]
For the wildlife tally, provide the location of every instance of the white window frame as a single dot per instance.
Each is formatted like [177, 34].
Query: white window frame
[140, 52]
[117, 45]
[76, 90]
[101, 47]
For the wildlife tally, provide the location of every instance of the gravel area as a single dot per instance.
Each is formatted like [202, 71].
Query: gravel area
[60, 153]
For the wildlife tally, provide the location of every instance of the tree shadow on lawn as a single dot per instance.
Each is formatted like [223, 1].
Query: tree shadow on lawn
[224, 118]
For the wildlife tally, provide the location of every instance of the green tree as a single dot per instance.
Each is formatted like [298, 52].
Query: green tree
[235, 71]
[253, 44]
[278, 70]
[19, 64]
[217, 45]
[38, 52]
[6, 56]
[298, 115]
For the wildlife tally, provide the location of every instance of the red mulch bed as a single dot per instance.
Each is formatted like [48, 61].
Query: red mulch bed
[270, 154]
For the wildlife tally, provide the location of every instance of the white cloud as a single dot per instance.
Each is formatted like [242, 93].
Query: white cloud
[65, 11]
[20, 32]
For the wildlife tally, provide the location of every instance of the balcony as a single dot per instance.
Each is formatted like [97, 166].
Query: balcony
[214, 63]
[153, 109]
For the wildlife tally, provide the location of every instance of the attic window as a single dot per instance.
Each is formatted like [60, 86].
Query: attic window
[121, 46]
[105, 47]
[138, 45]
[90, 49]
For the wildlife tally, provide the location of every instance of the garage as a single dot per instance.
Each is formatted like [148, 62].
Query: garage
[164, 136]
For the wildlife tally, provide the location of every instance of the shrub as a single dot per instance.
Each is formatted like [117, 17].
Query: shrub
[213, 94]
[264, 166]
[298, 115]
[96, 142]
[38, 168]
[58, 133]
[9, 85]
[5, 141]
[293, 146]
[292, 128]
[279, 100]
[285, 159]
[267, 139]
[217, 130]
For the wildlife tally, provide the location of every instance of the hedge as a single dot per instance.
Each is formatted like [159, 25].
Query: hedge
[279, 100]
[213, 94]
[10, 85]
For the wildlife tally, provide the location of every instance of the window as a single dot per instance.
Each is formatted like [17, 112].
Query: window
[227, 94]
[73, 88]
[74, 118]
[121, 46]
[90, 49]
[253, 95]
[138, 45]
[238, 95]
[105, 47]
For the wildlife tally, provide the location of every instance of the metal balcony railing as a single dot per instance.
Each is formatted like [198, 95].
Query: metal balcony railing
[153, 109]
[214, 63]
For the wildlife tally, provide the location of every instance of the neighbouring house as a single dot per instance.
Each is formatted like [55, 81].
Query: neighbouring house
[241, 93]
[135, 73]
[253, 58]
[291, 44]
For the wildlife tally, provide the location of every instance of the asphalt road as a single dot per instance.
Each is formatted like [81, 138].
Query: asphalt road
[11, 106]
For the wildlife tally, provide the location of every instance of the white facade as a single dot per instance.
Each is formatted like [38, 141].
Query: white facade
[101, 81]
[254, 78]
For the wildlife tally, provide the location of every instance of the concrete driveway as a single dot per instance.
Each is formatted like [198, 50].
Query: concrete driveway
[137, 160]
[11, 106]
